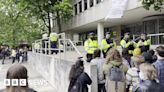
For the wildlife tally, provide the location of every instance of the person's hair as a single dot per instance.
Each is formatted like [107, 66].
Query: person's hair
[76, 70]
[97, 53]
[149, 71]
[160, 51]
[17, 72]
[113, 55]
[151, 52]
[136, 61]
[125, 54]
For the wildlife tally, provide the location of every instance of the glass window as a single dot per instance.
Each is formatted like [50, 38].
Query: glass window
[98, 1]
[80, 6]
[161, 25]
[91, 3]
[75, 7]
[85, 4]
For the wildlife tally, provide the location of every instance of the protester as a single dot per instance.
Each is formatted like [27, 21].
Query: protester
[126, 58]
[18, 72]
[132, 76]
[148, 75]
[114, 71]
[4, 54]
[148, 58]
[159, 64]
[152, 52]
[13, 55]
[99, 62]
[78, 78]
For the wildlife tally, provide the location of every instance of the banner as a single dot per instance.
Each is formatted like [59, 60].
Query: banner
[117, 9]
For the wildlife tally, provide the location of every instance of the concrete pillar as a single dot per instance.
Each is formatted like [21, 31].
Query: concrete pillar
[100, 32]
[82, 1]
[88, 4]
[94, 2]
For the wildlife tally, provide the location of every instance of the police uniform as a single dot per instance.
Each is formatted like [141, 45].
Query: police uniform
[127, 44]
[53, 39]
[90, 46]
[107, 44]
[144, 45]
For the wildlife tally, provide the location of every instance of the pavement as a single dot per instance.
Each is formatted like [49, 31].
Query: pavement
[35, 80]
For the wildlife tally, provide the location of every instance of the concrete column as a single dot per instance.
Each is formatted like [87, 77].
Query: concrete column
[88, 4]
[82, 1]
[94, 2]
[100, 32]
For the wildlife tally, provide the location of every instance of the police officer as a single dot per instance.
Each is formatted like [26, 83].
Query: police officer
[127, 43]
[44, 42]
[144, 43]
[90, 46]
[53, 39]
[107, 43]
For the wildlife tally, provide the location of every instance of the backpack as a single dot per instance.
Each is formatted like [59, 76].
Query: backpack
[116, 79]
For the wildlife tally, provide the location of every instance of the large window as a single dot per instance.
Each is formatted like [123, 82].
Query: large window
[80, 7]
[75, 8]
[85, 4]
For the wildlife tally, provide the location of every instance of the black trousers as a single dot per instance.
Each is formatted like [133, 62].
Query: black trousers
[3, 59]
[101, 88]
[13, 59]
[89, 57]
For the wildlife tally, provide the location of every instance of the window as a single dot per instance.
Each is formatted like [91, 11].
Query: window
[80, 6]
[161, 25]
[98, 1]
[91, 3]
[85, 4]
[75, 7]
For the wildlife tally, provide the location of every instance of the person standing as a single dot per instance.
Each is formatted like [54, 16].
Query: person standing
[127, 43]
[13, 55]
[90, 46]
[4, 54]
[53, 40]
[159, 64]
[144, 43]
[99, 63]
[45, 43]
[107, 43]
[148, 75]
[78, 78]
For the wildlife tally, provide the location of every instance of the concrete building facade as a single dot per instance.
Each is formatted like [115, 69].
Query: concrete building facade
[89, 16]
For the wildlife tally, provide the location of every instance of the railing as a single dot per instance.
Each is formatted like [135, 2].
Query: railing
[64, 45]
[155, 40]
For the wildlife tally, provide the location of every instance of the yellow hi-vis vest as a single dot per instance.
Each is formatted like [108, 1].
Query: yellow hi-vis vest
[90, 46]
[105, 45]
[125, 44]
[145, 43]
[53, 37]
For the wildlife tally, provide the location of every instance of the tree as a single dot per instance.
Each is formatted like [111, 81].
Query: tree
[42, 9]
[156, 4]
[15, 25]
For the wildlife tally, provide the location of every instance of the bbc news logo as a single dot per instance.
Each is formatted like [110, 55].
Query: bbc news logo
[23, 82]
[15, 82]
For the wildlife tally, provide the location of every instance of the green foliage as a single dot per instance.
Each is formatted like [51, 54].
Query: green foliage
[156, 4]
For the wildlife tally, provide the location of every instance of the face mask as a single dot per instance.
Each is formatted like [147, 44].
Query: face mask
[141, 75]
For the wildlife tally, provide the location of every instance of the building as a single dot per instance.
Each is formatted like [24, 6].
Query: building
[89, 16]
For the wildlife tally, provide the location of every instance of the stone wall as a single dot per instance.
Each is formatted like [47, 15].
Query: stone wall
[56, 71]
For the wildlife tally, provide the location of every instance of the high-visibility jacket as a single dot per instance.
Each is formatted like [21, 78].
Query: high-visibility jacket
[144, 43]
[90, 46]
[53, 37]
[105, 45]
[130, 45]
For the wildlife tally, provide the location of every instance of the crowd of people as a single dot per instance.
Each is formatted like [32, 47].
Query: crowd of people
[137, 68]
[19, 54]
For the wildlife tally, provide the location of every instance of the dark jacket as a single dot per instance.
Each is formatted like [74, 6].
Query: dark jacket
[81, 83]
[148, 86]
